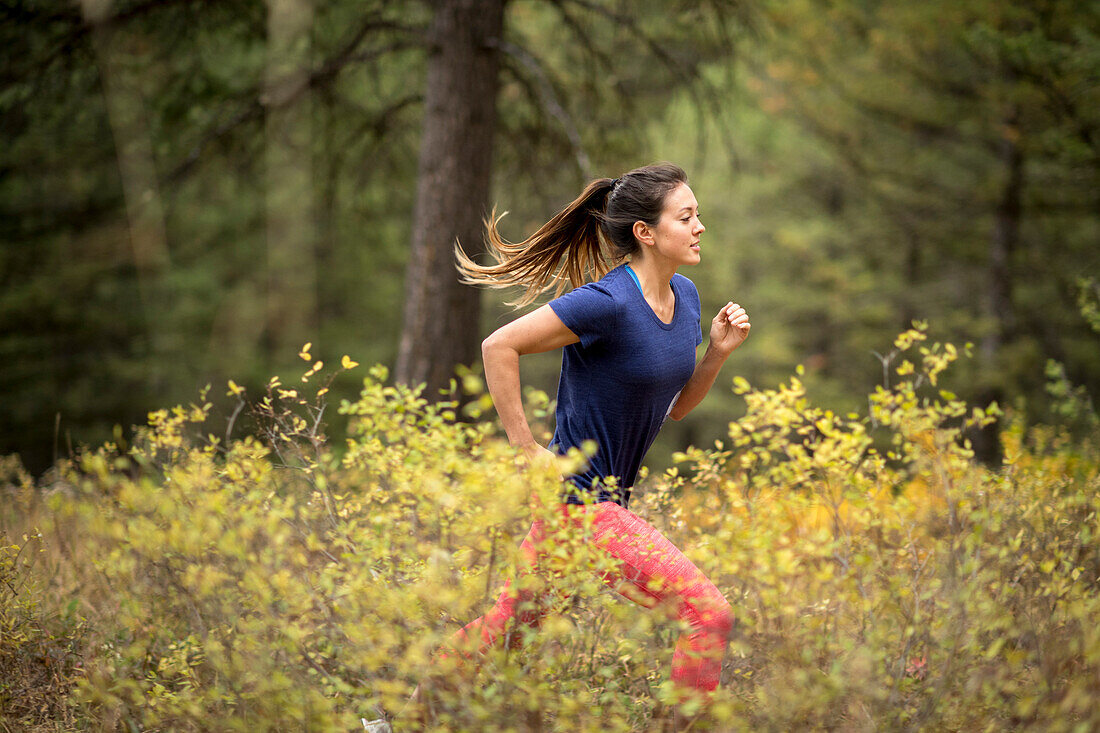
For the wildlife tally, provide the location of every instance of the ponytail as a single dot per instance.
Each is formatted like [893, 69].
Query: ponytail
[583, 241]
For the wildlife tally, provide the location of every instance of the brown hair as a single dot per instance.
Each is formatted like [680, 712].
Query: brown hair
[582, 241]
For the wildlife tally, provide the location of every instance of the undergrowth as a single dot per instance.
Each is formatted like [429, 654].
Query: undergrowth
[880, 577]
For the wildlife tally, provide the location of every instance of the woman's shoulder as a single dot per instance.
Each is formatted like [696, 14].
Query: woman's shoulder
[608, 286]
[613, 285]
[601, 296]
[592, 310]
[613, 278]
[685, 285]
[683, 280]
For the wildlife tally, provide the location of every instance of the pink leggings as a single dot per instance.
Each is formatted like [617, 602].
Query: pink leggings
[652, 571]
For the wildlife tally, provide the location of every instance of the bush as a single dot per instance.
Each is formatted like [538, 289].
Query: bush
[880, 577]
[40, 649]
[908, 587]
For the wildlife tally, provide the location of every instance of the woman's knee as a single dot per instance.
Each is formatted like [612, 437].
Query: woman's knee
[722, 617]
[711, 613]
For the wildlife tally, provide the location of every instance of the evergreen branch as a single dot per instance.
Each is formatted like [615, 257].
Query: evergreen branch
[79, 29]
[582, 35]
[549, 102]
[379, 122]
[324, 75]
[689, 73]
[250, 111]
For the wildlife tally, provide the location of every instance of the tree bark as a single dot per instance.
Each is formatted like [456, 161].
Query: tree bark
[1003, 243]
[1004, 239]
[441, 315]
[291, 256]
[137, 172]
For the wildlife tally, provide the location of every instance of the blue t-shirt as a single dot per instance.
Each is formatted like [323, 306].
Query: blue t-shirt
[618, 383]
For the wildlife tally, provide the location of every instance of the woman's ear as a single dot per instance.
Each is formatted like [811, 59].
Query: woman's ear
[643, 233]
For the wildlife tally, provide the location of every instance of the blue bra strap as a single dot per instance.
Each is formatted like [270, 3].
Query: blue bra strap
[634, 277]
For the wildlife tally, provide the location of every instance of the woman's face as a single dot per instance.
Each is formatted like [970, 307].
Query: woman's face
[676, 236]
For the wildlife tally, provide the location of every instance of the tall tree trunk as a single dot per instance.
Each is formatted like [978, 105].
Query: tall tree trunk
[137, 173]
[1003, 242]
[441, 315]
[291, 259]
[911, 274]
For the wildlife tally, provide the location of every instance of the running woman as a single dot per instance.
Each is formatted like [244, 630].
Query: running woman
[629, 340]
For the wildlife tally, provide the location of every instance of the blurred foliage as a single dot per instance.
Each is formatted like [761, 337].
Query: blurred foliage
[958, 184]
[881, 578]
[243, 564]
[854, 162]
[137, 127]
[41, 644]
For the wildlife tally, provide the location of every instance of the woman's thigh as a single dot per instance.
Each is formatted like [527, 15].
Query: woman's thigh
[654, 570]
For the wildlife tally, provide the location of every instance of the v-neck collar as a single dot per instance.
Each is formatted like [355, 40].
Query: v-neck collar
[675, 299]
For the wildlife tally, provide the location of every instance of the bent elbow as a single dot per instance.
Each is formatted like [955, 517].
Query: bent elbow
[492, 345]
[488, 344]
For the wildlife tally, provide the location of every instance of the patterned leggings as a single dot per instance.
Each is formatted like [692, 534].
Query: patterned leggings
[652, 572]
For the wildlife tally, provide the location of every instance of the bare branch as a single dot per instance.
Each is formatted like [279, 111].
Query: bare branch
[549, 102]
[703, 94]
[578, 28]
[80, 28]
[378, 122]
[629, 22]
[347, 53]
[319, 78]
[250, 111]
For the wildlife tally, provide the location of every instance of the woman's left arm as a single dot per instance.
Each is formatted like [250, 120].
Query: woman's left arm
[728, 330]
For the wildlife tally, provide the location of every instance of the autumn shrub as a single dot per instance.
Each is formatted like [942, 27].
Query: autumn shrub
[905, 586]
[271, 583]
[41, 643]
[880, 577]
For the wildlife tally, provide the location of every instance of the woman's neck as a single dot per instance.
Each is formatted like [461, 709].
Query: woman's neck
[653, 278]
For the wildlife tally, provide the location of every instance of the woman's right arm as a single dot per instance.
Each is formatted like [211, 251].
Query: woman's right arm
[540, 330]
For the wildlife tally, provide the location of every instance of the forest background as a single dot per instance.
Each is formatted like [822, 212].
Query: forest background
[208, 193]
[191, 191]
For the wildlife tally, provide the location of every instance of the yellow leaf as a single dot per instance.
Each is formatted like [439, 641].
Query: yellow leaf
[347, 363]
[304, 353]
[234, 389]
